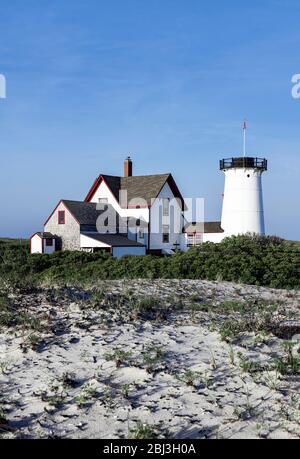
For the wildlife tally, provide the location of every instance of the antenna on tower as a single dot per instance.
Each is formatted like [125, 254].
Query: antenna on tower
[244, 131]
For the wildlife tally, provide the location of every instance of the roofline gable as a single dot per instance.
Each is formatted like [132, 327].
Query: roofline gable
[169, 179]
[175, 190]
[93, 189]
[64, 203]
[36, 234]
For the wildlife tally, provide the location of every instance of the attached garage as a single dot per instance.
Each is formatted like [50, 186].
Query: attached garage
[118, 245]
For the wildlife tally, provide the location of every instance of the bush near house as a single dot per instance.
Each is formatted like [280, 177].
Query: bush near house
[267, 261]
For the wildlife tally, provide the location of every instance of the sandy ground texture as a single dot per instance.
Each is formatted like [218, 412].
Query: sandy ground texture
[145, 359]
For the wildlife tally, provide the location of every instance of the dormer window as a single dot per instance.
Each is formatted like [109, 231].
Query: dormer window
[61, 217]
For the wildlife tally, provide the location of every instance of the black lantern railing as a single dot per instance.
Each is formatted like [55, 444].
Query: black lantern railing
[244, 162]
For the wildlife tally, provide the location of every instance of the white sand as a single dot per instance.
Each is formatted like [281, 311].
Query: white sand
[224, 402]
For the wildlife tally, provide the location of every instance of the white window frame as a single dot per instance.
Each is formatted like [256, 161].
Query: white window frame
[194, 239]
[166, 207]
[141, 233]
[166, 234]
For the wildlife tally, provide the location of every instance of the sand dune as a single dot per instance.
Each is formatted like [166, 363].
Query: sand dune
[151, 358]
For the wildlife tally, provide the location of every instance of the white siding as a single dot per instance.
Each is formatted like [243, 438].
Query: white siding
[104, 192]
[88, 242]
[213, 237]
[193, 239]
[49, 249]
[36, 244]
[118, 252]
[157, 220]
[201, 238]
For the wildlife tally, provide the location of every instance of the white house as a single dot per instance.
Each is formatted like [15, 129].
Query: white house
[129, 215]
[79, 225]
[152, 205]
[136, 215]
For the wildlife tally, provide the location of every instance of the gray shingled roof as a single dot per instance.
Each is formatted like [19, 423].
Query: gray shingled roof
[114, 240]
[86, 213]
[46, 235]
[146, 187]
[209, 227]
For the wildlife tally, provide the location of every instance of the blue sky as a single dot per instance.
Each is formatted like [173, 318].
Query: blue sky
[169, 81]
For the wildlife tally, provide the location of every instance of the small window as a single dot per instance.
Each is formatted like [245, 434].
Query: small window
[61, 217]
[103, 201]
[166, 207]
[190, 239]
[49, 242]
[138, 222]
[166, 235]
[194, 239]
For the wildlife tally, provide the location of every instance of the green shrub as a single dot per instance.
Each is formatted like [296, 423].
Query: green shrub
[256, 260]
[143, 432]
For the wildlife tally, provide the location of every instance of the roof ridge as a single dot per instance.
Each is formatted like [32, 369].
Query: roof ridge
[135, 176]
[74, 200]
[108, 175]
[146, 187]
[149, 175]
[204, 221]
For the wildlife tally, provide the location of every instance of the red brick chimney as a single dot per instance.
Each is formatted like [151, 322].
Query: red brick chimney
[128, 167]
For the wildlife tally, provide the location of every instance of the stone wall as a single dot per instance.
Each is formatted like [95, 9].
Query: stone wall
[69, 233]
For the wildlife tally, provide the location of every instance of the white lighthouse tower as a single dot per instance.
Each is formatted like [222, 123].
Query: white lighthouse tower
[243, 210]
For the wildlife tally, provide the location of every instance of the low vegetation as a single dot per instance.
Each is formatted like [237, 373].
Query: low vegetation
[87, 394]
[265, 261]
[143, 432]
[153, 359]
[189, 377]
[119, 356]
